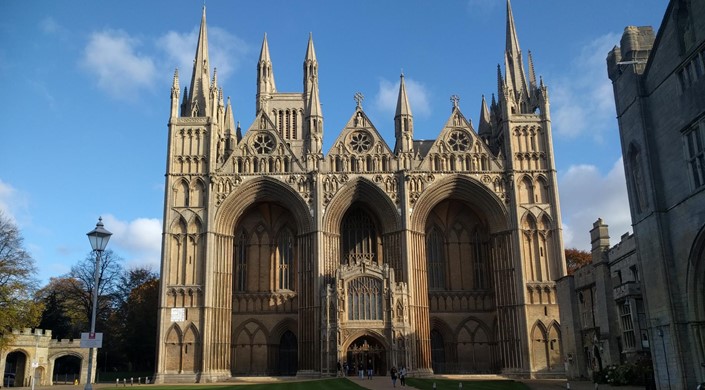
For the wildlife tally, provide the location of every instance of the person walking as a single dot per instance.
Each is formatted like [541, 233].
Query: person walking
[345, 368]
[361, 369]
[340, 369]
[402, 376]
[369, 368]
[393, 373]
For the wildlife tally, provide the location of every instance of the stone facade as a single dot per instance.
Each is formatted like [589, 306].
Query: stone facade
[36, 346]
[438, 255]
[603, 317]
[659, 89]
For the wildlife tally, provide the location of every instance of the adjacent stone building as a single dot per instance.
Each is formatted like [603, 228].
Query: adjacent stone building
[659, 89]
[282, 259]
[602, 310]
[33, 351]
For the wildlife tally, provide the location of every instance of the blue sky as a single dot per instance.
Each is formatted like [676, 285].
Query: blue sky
[85, 98]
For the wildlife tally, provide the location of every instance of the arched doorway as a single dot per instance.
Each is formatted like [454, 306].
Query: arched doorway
[438, 352]
[367, 352]
[67, 369]
[288, 354]
[15, 367]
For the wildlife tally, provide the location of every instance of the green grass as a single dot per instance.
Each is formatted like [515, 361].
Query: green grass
[452, 384]
[323, 384]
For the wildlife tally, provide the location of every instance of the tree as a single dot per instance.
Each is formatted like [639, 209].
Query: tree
[576, 258]
[80, 291]
[62, 313]
[18, 309]
[140, 338]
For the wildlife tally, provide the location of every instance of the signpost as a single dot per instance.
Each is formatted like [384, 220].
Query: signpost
[91, 340]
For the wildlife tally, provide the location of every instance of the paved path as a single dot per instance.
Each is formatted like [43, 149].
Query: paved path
[378, 383]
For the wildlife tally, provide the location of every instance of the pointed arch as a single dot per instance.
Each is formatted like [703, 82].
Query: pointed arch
[285, 260]
[181, 193]
[541, 190]
[250, 348]
[198, 194]
[241, 257]
[526, 189]
[178, 244]
[172, 349]
[191, 349]
[539, 346]
[695, 288]
[365, 192]
[436, 258]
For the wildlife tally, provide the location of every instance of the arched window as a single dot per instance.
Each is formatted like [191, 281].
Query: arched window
[365, 299]
[285, 260]
[241, 263]
[359, 238]
[435, 255]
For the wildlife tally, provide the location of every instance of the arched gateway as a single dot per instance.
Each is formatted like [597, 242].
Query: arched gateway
[279, 259]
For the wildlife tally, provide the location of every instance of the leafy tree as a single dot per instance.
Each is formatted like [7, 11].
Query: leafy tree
[576, 258]
[141, 325]
[62, 313]
[18, 309]
[80, 292]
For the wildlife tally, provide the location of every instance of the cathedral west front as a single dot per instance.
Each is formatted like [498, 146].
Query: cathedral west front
[281, 258]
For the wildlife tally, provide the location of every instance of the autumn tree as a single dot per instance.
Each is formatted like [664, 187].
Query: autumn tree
[576, 258]
[18, 309]
[62, 311]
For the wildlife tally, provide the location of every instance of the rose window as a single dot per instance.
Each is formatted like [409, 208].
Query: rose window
[459, 141]
[263, 143]
[360, 142]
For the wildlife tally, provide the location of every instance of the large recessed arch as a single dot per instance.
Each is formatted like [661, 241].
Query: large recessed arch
[467, 190]
[264, 189]
[365, 192]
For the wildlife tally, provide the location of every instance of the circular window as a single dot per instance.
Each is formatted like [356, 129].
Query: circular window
[459, 141]
[360, 142]
[263, 143]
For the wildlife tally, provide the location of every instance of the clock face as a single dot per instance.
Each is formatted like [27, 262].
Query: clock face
[263, 143]
[459, 141]
[360, 142]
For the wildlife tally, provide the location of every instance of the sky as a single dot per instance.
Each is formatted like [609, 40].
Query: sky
[85, 96]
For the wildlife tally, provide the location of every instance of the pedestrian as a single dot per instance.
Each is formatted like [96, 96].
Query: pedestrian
[402, 376]
[340, 368]
[369, 369]
[393, 373]
[361, 369]
[345, 368]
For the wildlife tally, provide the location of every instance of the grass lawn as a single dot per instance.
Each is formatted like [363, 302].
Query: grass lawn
[323, 384]
[452, 384]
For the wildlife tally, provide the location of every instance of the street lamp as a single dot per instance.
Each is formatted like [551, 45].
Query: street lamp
[99, 238]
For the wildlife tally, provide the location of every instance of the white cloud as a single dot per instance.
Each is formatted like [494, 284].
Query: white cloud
[13, 204]
[581, 96]
[225, 51]
[586, 195]
[388, 94]
[120, 69]
[138, 241]
[50, 26]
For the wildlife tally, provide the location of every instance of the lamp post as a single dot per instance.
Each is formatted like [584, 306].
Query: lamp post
[99, 238]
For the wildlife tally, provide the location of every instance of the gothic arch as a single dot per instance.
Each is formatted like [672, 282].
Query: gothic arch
[282, 327]
[181, 193]
[263, 189]
[198, 193]
[538, 342]
[465, 189]
[541, 191]
[525, 189]
[695, 288]
[365, 192]
[380, 338]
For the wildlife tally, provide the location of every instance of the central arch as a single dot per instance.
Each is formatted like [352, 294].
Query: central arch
[367, 352]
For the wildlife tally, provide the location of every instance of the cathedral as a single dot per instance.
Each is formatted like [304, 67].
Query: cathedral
[281, 258]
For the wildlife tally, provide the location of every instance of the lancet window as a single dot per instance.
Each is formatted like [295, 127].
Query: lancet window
[359, 238]
[285, 260]
[435, 253]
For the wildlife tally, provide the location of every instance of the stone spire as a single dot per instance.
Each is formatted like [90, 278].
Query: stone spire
[403, 121]
[314, 120]
[229, 128]
[310, 68]
[485, 129]
[200, 78]
[175, 90]
[515, 79]
[265, 76]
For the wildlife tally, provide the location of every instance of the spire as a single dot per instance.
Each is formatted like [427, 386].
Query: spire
[515, 77]
[403, 107]
[229, 128]
[314, 103]
[403, 120]
[265, 76]
[200, 79]
[314, 121]
[175, 90]
[485, 129]
[310, 67]
[532, 74]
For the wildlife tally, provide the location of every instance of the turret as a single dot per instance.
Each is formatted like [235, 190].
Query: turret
[403, 121]
[230, 129]
[485, 128]
[265, 76]
[310, 68]
[199, 101]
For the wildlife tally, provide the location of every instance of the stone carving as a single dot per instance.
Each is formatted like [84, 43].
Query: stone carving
[224, 185]
[331, 184]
